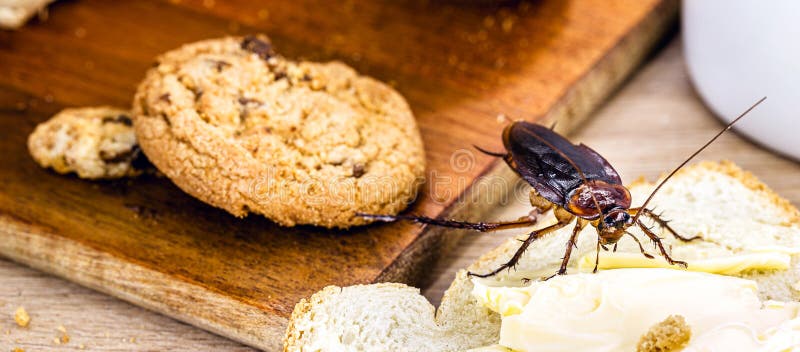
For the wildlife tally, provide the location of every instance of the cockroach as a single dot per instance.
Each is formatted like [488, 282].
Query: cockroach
[573, 181]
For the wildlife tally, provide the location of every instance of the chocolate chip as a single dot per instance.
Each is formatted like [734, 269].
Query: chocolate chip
[257, 46]
[135, 156]
[123, 119]
[198, 93]
[280, 75]
[245, 101]
[306, 78]
[220, 64]
[358, 170]
[164, 118]
[117, 158]
[165, 98]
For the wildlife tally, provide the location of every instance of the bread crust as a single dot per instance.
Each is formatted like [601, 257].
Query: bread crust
[747, 178]
[303, 310]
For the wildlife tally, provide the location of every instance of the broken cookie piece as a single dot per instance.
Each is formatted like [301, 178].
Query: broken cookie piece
[93, 142]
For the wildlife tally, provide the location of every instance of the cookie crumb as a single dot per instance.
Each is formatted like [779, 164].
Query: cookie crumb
[64, 338]
[668, 335]
[21, 317]
[142, 212]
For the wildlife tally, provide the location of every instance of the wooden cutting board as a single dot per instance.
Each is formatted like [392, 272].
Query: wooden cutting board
[459, 64]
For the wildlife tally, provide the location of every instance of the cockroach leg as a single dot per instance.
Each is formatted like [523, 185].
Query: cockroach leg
[524, 221]
[514, 259]
[641, 248]
[522, 248]
[657, 241]
[597, 256]
[665, 224]
[572, 242]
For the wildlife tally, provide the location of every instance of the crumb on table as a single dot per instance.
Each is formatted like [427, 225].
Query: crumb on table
[21, 317]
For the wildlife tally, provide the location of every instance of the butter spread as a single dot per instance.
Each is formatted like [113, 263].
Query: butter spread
[611, 310]
[778, 258]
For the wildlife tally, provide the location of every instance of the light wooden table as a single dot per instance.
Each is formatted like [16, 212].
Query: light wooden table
[645, 129]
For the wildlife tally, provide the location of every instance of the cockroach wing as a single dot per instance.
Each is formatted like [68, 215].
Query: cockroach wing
[540, 155]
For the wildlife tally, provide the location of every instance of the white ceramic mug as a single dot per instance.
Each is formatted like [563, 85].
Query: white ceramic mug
[738, 51]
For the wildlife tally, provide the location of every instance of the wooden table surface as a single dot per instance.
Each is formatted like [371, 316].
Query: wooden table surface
[645, 129]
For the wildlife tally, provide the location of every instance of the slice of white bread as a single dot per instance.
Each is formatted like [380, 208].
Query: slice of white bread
[729, 208]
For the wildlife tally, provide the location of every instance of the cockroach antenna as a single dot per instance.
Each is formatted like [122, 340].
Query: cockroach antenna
[727, 127]
[488, 152]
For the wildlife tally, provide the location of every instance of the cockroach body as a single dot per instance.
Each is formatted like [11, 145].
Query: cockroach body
[575, 182]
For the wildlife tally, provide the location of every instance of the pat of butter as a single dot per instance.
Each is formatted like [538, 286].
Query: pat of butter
[611, 310]
[768, 259]
[504, 300]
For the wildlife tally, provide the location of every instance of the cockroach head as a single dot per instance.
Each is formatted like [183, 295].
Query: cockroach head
[613, 224]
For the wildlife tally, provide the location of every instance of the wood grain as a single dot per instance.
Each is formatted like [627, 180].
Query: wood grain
[148, 243]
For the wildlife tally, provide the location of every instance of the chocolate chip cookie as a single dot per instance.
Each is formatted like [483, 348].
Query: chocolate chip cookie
[239, 127]
[93, 142]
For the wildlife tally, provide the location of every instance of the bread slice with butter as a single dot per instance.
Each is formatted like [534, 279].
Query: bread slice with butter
[747, 231]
